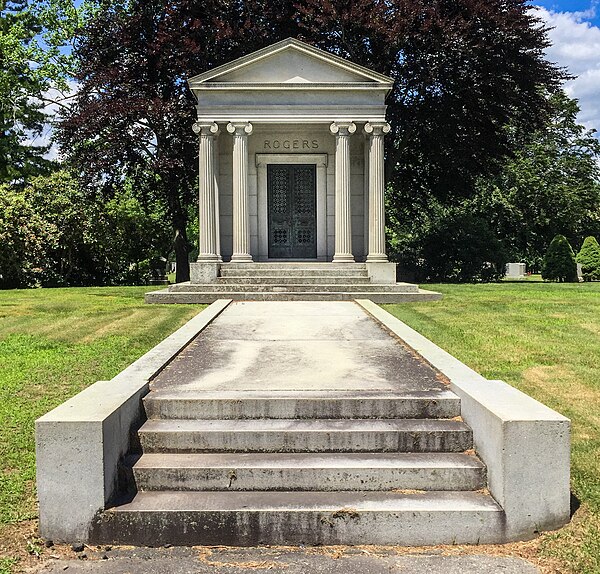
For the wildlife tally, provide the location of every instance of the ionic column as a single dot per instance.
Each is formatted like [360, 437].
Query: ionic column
[207, 240]
[241, 226]
[343, 214]
[376, 133]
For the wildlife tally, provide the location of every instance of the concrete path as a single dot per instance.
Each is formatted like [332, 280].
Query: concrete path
[278, 347]
[286, 561]
[281, 345]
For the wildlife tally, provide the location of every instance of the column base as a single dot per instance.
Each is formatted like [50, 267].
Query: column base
[381, 271]
[377, 258]
[204, 272]
[241, 258]
[343, 258]
[207, 258]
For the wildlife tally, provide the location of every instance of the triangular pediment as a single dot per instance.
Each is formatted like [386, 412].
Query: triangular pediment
[290, 62]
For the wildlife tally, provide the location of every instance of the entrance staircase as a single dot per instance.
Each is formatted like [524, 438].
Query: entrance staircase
[287, 281]
[302, 467]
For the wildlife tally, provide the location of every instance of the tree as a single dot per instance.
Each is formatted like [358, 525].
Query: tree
[589, 258]
[548, 186]
[52, 233]
[464, 71]
[133, 113]
[559, 262]
[24, 238]
[32, 65]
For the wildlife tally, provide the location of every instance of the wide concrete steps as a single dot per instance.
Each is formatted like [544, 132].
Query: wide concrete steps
[205, 297]
[291, 517]
[306, 435]
[317, 279]
[302, 467]
[307, 471]
[302, 405]
[304, 272]
[285, 287]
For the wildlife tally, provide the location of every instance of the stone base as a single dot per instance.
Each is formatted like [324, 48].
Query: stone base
[204, 272]
[381, 271]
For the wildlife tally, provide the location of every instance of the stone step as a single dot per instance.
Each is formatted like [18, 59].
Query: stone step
[242, 287]
[293, 279]
[315, 518]
[205, 297]
[305, 435]
[307, 471]
[295, 265]
[301, 405]
[322, 273]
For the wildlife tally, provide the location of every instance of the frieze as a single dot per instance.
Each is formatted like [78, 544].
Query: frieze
[291, 144]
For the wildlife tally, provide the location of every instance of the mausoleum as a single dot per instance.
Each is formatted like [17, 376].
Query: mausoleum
[291, 170]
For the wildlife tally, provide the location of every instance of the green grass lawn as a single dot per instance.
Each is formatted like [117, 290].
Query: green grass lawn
[542, 338]
[545, 340]
[54, 343]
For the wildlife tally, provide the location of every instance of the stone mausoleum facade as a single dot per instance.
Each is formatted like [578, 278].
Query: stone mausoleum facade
[291, 159]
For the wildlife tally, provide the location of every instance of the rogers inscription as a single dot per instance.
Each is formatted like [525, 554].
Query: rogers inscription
[291, 144]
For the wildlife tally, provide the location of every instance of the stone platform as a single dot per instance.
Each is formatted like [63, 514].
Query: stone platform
[289, 281]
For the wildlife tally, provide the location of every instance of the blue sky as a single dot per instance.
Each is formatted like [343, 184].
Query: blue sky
[575, 37]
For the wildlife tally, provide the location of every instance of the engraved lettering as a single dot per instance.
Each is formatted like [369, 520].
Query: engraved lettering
[286, 144]
[305, 144]
[276, 144]
[296, 144]
[315, 144]
[267, 144]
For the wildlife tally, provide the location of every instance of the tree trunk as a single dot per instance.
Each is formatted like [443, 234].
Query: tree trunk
[180, 245]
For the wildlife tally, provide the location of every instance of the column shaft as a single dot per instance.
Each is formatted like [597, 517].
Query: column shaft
[241, 226]
[376, 191]
[207, 240]
[343, 211]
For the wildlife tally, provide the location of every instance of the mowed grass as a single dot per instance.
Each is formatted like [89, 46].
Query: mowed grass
[542, 338]
[545, 340]
[54, 343]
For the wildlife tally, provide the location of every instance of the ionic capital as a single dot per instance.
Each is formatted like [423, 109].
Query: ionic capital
[205, 128]
[239, 128]
[377, 128]
[342, 128]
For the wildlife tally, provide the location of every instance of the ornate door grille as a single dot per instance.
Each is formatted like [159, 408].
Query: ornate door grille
[292, 207]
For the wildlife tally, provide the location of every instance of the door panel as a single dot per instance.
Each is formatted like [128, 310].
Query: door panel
[291, 197]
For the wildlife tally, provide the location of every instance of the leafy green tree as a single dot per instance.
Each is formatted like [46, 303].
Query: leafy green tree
[559, 262]
[31, 36]
[52, 233]
[589, 258]
[549, 186]
[24, 240]
[451, 244]
[462, 69]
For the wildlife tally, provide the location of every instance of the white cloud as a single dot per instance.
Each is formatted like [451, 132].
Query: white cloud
[576, 46]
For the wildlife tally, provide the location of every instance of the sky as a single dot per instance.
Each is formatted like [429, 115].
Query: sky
[575, 37]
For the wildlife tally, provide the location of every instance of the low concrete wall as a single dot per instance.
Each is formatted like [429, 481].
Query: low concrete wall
[79, 443]
[524, 444]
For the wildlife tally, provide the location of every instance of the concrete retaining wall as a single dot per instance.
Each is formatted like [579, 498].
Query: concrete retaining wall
[524, 444]
[79, 443]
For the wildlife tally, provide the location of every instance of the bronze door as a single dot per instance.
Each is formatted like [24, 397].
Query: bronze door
[292, 208]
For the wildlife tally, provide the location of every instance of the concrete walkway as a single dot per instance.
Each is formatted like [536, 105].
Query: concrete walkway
[267, 351]
[282, 345]
[245, 560]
